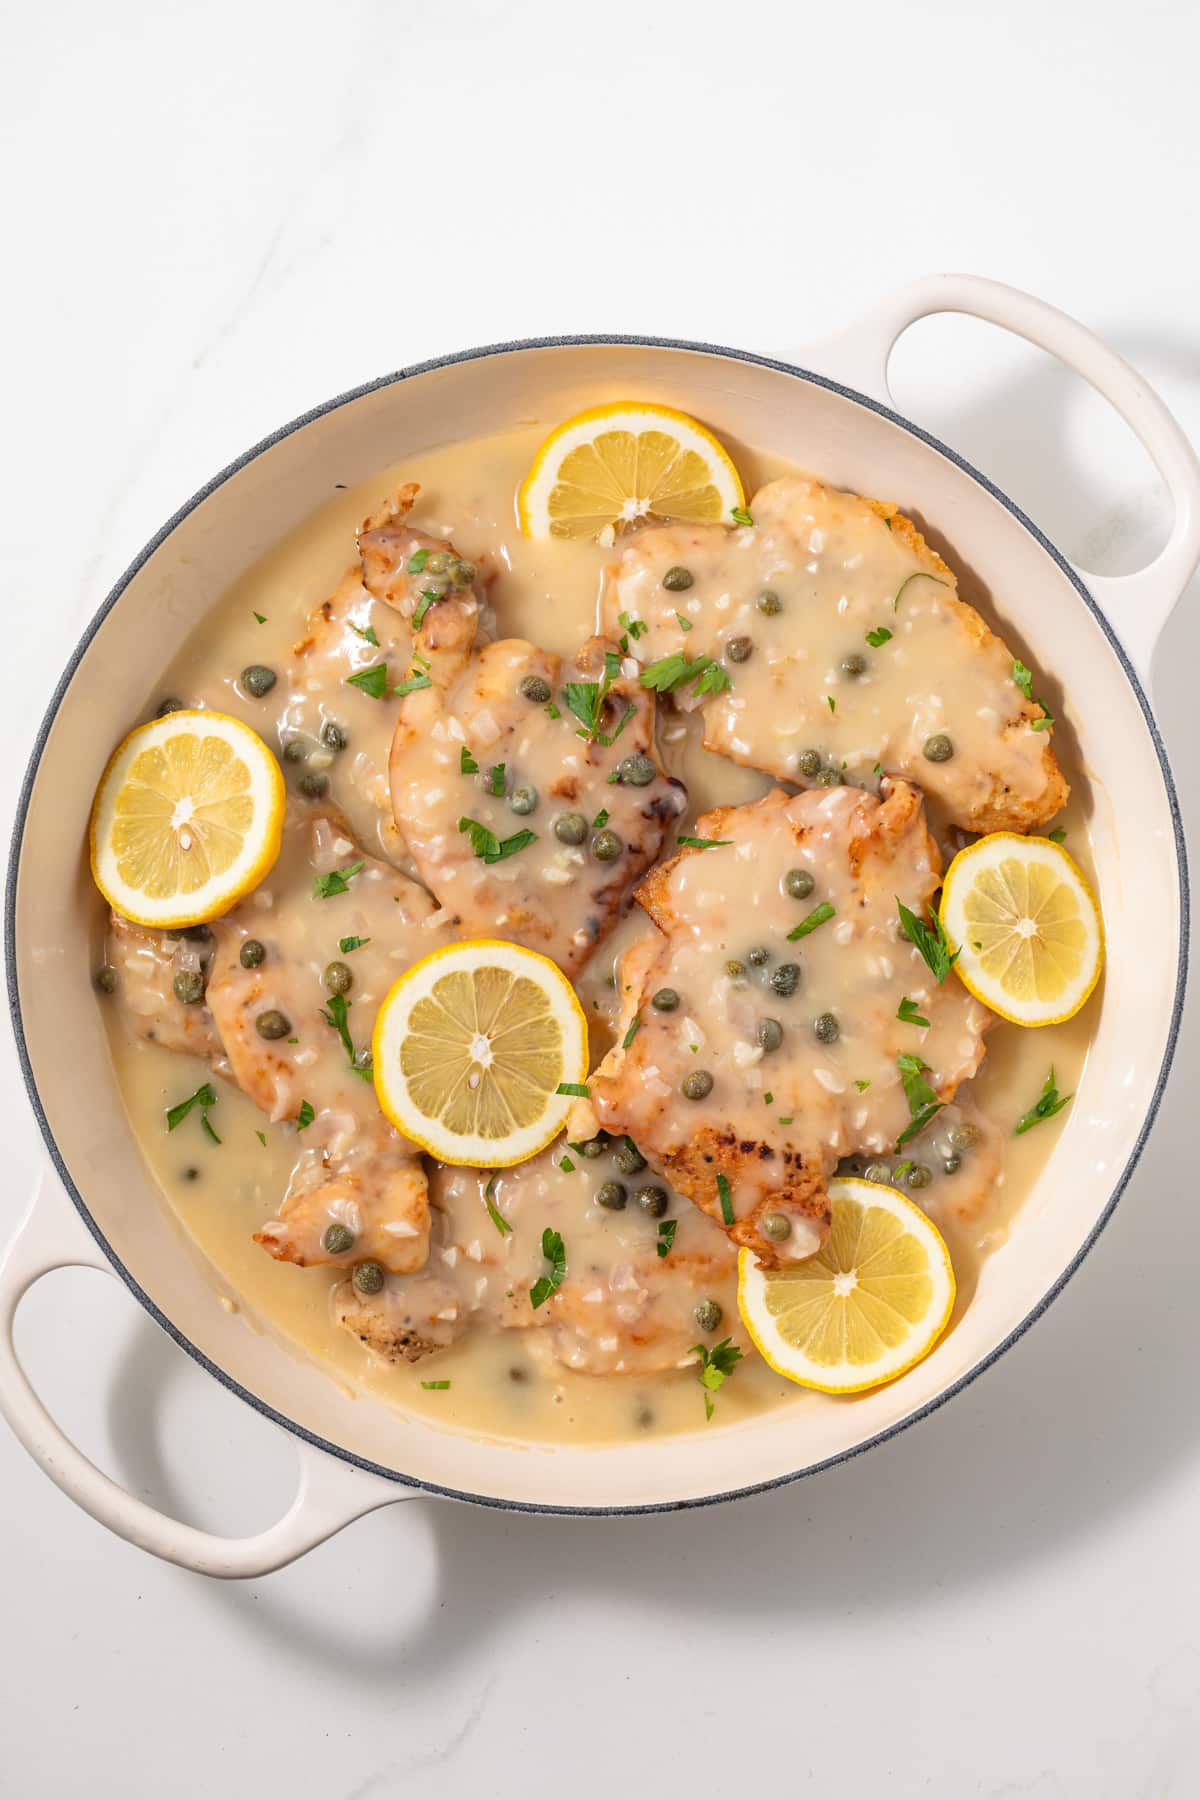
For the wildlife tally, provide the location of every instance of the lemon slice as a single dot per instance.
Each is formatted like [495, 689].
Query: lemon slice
[470, 1048]
[871, 1303]
[187, 819]
[1026, 926]
[615, 465]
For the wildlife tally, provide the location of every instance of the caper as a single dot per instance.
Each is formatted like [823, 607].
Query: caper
[698, 1085]
[437, 562]
[677, 579]
[759, 957]
[169, 705]
[106, 979]
[523, 800]
[735, 968]
[606, 846]
[368, 1277]
[808, 763]
[295, 750]
[964, 1135]
[337, 1239]
[918, 1176]
[708, 1315]
[768, 602]
[339, 977]
[739, 649]
[854, 665]
[798, 883]
[570, 828]
[195, 934]
[878, 1171]
[313, 783]
[938, 748]
[252, 953]
[952, 1164]
[776, 1226]
[827, 1028]
[637, 770]
[828, 778]
[333, 735]
[594, 1147]
[629, 1160]
[462, 572]
[364, 1058]
[611, 1196]
[535, 688]
[665, 1000]
[652, 1201]
[188, 986]
[273, 1024]
[258, 680]
[770, 1034]
[785, 979]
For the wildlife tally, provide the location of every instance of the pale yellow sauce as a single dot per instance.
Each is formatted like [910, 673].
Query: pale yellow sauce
[505, 1381]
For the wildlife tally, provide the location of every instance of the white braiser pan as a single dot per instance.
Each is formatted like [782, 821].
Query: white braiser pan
[97, 1207]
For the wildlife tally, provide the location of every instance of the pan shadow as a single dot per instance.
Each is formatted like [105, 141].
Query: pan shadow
[1075, 1427]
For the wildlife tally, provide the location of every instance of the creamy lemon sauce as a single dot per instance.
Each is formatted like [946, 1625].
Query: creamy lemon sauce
[579, 1370]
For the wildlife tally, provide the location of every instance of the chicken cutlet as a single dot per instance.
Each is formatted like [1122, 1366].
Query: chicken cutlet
[621, 1307]
[297, 973]
[781, 1020]
[142, 965]
[529, 795]
[840, 647]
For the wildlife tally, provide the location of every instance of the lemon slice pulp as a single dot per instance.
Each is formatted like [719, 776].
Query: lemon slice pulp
[872, 1302]
[613, 466]
[470, 1048]
[187, 819]
[1026, 926]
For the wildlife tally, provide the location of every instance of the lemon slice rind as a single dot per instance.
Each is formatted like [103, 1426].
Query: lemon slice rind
[687, 474]
[901, 1308]
[420, 1047]
[239, 795]
[1072, 936]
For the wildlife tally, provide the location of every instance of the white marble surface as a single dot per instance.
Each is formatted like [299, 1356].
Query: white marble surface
[228, 212]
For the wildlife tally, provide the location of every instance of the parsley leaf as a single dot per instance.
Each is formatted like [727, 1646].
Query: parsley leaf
[495, 1215]
[917, 575]
[635, 627]
[417, 561]
[261, 617]
[816, 917]
[428, 596]
[435, 1384]
[489, 847]
[1049, 1103]
[715, 680]
[684, 624]
[579, 1089]
[601, 819]
[411, 683]
[908, 1014]
[929, 939]
[466, 762]
[556, 1256]
[673, 671]
[305, 1116]
[347, 944]
[367, 636]
[861, 1085]
[715, 1365]
[741, 515]
[204, 1097]
[565, 1163]
[1057, 836]
[666, 1235]
[334, 1016]
[831, 703]
[1023, 678]
[586, 698]
[923, 1103]
[695, 843]
[496, 781]
[372, 681]
[337, 881]
[634, 1027]
[552, 711]
[262, 1138]
[878, 638]
[726, 1199]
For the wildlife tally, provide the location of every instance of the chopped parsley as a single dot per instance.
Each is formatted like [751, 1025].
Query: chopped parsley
[496, 781]
[494, 1214]
[1024, 680]
[578, 1089]
[1045, 722]
[634, 1027]
[831, 703]
[372, 681]
[1045, 1107]
[684, 624]
[861, 1085]
[337, 881]
[601, 819]
[204, 1097]
[305, 1116]
[726, 1199]
[768, 1099]
[816, 917]
[671, 672]
[586, 698]
[879, 637]
[417, 561]
[1057, 836]
[489, 847]
[635, 627]
[466, 762]
[878, 769]
[714, 680]
[715, 1365]
[929, 939]
[261, 617]
[412, 682]
[347, 944]
[556, 1256]
[334, 1016]
[434, 1384]
[695, 843]
[918, 575]
[367, 636]
[666, 1235]
[908, 1014]
[923, 1103]
[565, 1164]
[740, 515]
[552, 711]
[262, 1138]
[428, 596]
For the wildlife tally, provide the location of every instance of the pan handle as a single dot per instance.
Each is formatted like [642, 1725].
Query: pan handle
[330, 1494]
[1139, 605]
